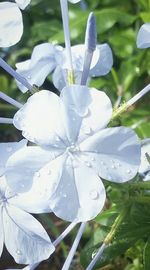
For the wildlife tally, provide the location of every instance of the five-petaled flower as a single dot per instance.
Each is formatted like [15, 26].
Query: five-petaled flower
[75, 151]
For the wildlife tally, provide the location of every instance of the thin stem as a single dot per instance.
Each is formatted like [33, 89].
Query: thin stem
[108, 238]
[10, 100]
[97, 256]
[65, 19]
[4, 120]
[144, 91]
[15, 75]
[64, 234]
[74, 247]
[129, 103]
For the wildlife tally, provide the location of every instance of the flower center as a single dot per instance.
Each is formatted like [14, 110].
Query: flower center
[72, 148]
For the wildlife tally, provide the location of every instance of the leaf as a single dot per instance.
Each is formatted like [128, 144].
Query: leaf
[146, 255]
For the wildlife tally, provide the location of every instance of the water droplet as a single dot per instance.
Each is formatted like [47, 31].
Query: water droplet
[93, 159]
[128, 171]
[9, 149]
[22, 185]
[102, 163]
[88, 164]
[73, 119]
[18, 252]
[55, 145]
[57, 139]
[49, 172]
[29, 77]
[64, 195]
[87, 130]
[37, 174]
[94, 194]
[118, 164]
[113, 167]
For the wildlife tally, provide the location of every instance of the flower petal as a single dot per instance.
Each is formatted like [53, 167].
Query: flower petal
[6, 150]
[40, 119]
[25, 238]
[82, 188]
[23, 3]
[75, 99]
[10, 23]
[104, 63]
[24, 164]
[114, 153]
[42, 62]
[143, 37]
[84, 107]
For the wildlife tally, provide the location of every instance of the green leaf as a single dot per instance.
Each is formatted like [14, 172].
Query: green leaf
[146, 255]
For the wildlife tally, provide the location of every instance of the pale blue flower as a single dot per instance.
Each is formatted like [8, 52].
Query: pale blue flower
[11, 22]
[75, 149]
[24, 237]
[47, 58]
[143, 37]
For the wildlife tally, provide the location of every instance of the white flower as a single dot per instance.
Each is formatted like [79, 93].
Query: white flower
[75, 149]
[24, 237]
[11, 23]
[47, 58]
[143, 37]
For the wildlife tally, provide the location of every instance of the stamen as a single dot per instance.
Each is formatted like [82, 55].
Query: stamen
[65, 19]
[74, 247]
[90, 46]
[96, 257]
[10, 100]
[129, 103]
[144, 91]
[15, 75]
[64, 234]
[4, 120]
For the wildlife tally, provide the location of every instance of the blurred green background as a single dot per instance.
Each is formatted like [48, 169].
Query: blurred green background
[117, 24]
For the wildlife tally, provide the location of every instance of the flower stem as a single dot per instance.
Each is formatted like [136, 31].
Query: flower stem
[108, 238]
[65, 19]
[74, 247]
[4, 120]
[64, 234]
[129, 103]
[10, 100]
[16, 75]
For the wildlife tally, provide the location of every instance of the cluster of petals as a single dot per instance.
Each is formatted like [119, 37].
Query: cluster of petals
[11, 22]
[74, 151]
[24, 237]
[47, 58]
